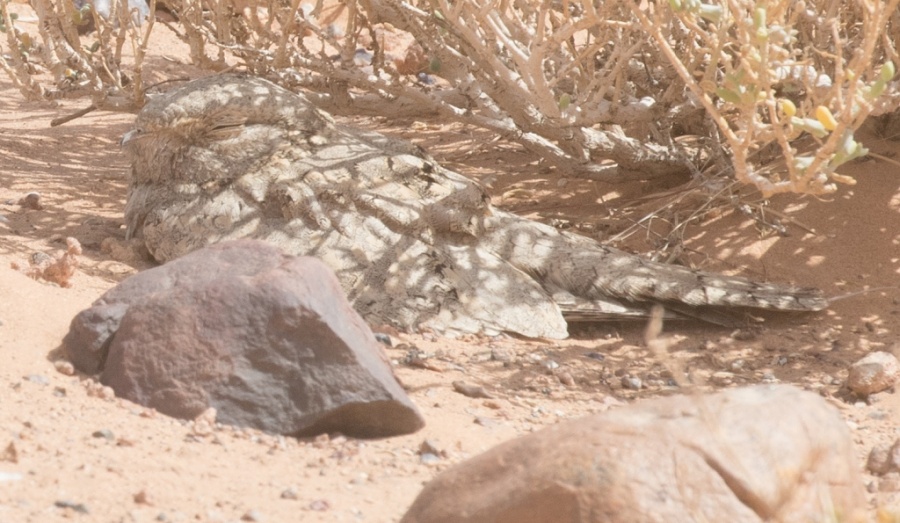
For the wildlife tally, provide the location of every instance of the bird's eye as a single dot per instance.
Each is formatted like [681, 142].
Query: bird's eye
[225, 131]
[229, 127]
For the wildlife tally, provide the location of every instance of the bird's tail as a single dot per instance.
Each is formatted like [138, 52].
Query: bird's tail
[589, 273]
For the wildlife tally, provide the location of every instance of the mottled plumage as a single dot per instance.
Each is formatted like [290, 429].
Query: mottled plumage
[414, 245]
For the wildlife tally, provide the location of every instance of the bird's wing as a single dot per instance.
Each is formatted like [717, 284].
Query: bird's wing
[413, 244]
[401, 234]
[592, 271]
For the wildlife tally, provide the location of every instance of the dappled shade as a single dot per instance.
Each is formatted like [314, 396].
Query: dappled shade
[414, 245]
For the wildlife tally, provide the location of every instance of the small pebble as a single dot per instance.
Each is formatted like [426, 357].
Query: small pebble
[10, 453]
[566, 379]
[10, 476]
[472, 391]
[107, 393]
[722, 378]
[485, 422]
[319, 505]
[884, 459]
[876, 372]
[491, 404]
[64, 367]
[631, 382]
[889, 482]
[360, 479]
[289, 493]
[252, 515]
[878, 462]
[105, 434]
[81, 508]
[744, 335]
[32, 201]
[384, 339]
[37, 378]
[503, 355]
[429, 447]
[428, 458]
[142, 498]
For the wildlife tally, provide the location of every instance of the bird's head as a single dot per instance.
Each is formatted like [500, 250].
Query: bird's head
[218, 128]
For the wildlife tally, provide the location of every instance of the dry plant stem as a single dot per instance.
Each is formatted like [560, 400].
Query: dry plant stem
[348, 50]
[222, 11]
[17, 71]
[140, 53]
[124, 17]
[660, 347]
[280, 60]
[192, 19]
[44, 12]
[66, 15]
[66, 54]
[68, 118]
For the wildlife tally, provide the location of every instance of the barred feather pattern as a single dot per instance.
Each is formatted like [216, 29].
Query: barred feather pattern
[414, 244]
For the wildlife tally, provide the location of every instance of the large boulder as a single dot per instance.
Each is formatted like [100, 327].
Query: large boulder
[770, 453]
[267, 339]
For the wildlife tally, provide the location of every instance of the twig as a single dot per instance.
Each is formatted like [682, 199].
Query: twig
[77, 114]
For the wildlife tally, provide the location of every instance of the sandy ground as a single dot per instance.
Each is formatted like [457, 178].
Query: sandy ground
[67, 452]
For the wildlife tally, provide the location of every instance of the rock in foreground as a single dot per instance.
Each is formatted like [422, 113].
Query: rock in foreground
[266, 339]
[744, 455]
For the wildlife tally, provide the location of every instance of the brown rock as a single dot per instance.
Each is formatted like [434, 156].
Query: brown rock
[91, 331]
[769, 453]
[267, 340]
[876, 372]
[87, 342]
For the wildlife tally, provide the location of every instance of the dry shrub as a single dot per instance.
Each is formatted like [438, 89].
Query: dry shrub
[613, 90]
[104, 64]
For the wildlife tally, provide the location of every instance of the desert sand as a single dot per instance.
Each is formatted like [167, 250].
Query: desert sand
[70, 451]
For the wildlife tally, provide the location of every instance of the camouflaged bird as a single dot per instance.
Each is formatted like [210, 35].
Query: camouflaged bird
[414, 244]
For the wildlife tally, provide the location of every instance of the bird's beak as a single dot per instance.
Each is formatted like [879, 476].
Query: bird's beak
[127, 137]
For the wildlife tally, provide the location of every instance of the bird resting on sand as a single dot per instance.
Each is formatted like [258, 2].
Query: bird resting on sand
[414, 245]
